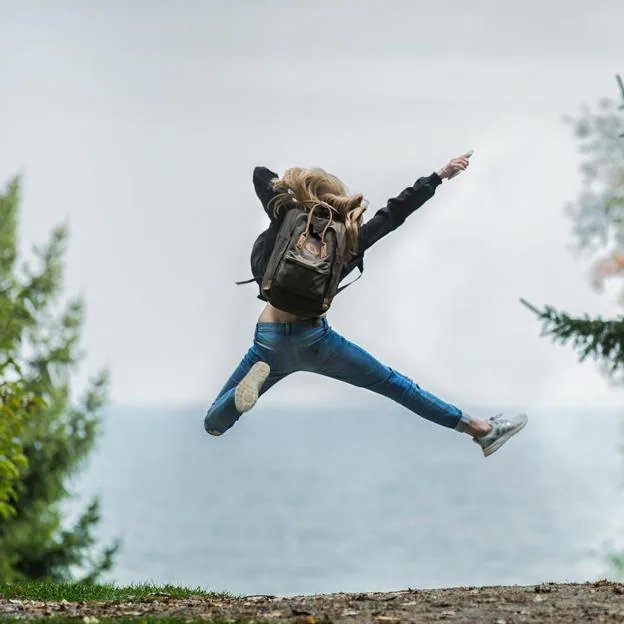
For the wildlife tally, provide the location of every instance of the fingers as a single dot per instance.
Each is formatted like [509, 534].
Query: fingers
[463, 160]
[455, 165]
[460, 162]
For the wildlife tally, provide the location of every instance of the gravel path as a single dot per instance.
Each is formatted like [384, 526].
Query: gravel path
[599, 601]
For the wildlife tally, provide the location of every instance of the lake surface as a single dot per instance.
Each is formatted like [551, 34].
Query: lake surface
[309, 499]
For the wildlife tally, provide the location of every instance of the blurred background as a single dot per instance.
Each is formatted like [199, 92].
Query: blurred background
[138, 126]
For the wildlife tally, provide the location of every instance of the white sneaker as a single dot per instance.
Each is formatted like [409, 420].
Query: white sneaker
[247, 391]
[502, 430]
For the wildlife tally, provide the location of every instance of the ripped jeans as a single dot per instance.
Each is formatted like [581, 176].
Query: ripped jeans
[312, 345]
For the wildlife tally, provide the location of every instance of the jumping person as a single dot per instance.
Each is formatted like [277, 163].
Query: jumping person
[285, 342]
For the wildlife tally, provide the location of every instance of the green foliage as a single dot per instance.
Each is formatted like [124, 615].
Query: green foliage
[599, 221]
[598, 212]
[598, 217]
[12, 458]
[600, 338]
[14, 402]
[45, 434]
[617, 565]
[16, 406]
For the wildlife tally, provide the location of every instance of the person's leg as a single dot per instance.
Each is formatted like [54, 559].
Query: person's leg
[334, 356]
[223, 413]
[344, 360]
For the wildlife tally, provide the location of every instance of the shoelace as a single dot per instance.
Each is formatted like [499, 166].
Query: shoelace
[501, 424]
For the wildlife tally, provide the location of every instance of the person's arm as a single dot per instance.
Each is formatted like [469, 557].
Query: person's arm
[397, 210]
[262, 184]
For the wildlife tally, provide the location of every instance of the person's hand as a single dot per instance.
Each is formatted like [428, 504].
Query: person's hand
[455, 166]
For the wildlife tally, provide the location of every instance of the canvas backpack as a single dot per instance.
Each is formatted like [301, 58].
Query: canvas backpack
[306, 262]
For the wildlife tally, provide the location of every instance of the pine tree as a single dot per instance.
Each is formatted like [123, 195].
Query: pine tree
[48, 434]
[15, 403]
[598, 222]
[14, 410]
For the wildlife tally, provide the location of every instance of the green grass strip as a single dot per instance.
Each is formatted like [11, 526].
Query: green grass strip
[75, 592]
[149, 619]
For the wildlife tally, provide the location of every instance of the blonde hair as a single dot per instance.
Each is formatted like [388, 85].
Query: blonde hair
[316, 186]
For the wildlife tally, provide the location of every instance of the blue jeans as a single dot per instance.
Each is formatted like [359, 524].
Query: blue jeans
[312, 345]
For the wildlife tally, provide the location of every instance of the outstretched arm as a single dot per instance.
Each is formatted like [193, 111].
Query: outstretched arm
[397, 210]
[262, 184]
[410, 199]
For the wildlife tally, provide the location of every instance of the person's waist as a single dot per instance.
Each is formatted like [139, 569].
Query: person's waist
[316, 321]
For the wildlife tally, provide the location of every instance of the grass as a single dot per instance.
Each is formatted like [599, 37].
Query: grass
[74, 592]
[150, 619]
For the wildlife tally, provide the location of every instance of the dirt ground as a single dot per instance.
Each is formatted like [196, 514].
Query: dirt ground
[599, 601]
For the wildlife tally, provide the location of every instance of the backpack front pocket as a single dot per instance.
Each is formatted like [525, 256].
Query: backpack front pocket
[306, 278]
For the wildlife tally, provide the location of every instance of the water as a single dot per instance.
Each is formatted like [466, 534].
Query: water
[310, 499]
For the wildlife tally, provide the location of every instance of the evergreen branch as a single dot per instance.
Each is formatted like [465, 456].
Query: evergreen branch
[600, 338]
[528, 305]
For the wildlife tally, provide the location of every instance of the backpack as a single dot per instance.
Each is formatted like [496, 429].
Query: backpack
[306, 262]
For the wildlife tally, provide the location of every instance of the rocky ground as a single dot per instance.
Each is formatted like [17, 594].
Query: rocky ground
[599, 601]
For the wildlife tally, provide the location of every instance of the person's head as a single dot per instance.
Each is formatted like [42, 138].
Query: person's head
[316, 186]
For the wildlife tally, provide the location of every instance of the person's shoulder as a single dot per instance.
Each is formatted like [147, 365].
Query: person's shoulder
[263, 174]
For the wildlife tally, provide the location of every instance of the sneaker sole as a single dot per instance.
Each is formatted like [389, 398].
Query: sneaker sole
[496, 445]
[247, 391]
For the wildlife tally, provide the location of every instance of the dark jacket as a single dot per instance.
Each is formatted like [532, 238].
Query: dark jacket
[381, 223]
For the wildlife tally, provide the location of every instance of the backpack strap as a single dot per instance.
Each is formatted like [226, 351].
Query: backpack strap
[305, 233]
[360, 266]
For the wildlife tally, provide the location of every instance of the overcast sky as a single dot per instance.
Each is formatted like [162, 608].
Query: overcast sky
[140, 124]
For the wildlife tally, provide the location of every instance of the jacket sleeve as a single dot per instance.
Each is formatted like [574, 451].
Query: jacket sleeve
[262, 184]
[397, 210]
